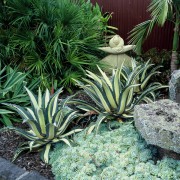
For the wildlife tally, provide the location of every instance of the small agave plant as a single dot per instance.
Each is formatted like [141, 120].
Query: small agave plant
[48, 123]
[116, 96]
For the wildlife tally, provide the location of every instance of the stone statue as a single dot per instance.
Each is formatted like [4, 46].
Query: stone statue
[117, 51]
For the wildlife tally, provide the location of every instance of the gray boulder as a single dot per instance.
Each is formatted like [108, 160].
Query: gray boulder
[159, 123]
[174, 86]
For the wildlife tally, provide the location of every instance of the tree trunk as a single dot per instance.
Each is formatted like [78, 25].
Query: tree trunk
[174, 59]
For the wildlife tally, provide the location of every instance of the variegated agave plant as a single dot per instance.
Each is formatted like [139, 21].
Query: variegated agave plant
[116, 96]
[48, 123]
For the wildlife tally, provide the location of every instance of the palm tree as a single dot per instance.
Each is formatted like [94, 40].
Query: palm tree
[161, 11]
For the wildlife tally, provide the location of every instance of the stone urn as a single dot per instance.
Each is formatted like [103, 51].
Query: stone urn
[117, 50]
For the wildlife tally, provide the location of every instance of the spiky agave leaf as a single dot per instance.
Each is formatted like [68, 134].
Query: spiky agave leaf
[116, 96]
[47, 122]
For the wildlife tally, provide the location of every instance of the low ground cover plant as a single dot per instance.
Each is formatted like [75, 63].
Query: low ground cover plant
[47, 121]
[117, 154]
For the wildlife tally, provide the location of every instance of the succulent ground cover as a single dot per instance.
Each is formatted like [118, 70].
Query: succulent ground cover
[117, 154]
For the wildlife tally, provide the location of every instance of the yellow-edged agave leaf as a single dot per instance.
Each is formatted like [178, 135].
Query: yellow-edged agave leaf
[67, 119]
[51, 131]
[46, 98]
[65, 141]
[127, 115]
[100, 95]
[109, 95]
[91, 128]
[19, 151]
[83, 104]
[22, 112]
[130, 97]
[21, 132]
[124, 97]
[133, 76]
[116, 84]
[39, 98]
[58, 117]
[101, 117]
[36, 128]
[147, 66]
[147, 100]
[45, 153]
[105, 77]
[31, 113]
[71, 132]
[53, 105]
[94, 77]
[41, 120]
[31, 143]
[144, 83]
[88, 108]
[33, 99]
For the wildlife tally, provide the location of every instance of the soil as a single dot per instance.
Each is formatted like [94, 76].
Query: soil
[9, 142]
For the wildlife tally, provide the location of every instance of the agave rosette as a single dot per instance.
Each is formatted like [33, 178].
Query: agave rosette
[116, 96]
[47, 121]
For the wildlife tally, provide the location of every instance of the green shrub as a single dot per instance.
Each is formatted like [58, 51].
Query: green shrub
[48, 123]
[117, 154]
[12, 90]
[56, 39]
[116, 96]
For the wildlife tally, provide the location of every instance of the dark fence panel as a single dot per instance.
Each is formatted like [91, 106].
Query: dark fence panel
[128, 13]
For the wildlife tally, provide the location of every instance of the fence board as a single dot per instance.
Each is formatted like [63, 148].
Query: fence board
[128, 13]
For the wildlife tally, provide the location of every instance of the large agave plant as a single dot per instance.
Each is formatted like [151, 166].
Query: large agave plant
[116, 96]
[48, 123]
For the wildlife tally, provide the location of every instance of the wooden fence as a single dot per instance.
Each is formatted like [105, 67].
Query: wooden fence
[128, 13]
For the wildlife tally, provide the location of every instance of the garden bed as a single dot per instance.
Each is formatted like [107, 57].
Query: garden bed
[28, 161]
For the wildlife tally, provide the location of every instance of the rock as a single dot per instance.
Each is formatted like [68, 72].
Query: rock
[10, 171]
[159, 123]
[174, 86]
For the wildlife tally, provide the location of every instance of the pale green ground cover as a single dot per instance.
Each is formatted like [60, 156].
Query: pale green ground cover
[120, 154]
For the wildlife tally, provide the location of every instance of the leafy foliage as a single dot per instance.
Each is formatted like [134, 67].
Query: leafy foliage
[47, 123]
[160, 10]
[117, 154]
[117, 95]
[12, 90]
[162, 58]
[54, 39]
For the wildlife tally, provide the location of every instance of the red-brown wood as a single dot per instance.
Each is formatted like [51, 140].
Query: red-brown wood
[128, 13]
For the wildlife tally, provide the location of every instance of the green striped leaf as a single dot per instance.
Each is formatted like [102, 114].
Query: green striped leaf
[51, 131]
[124, 97]
[101, 117]
[35, 128]
[45, 153]
[33, 99]
[22, 112]
[41, 121]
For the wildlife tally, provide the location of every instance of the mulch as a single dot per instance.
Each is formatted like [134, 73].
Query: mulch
[9, 141]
